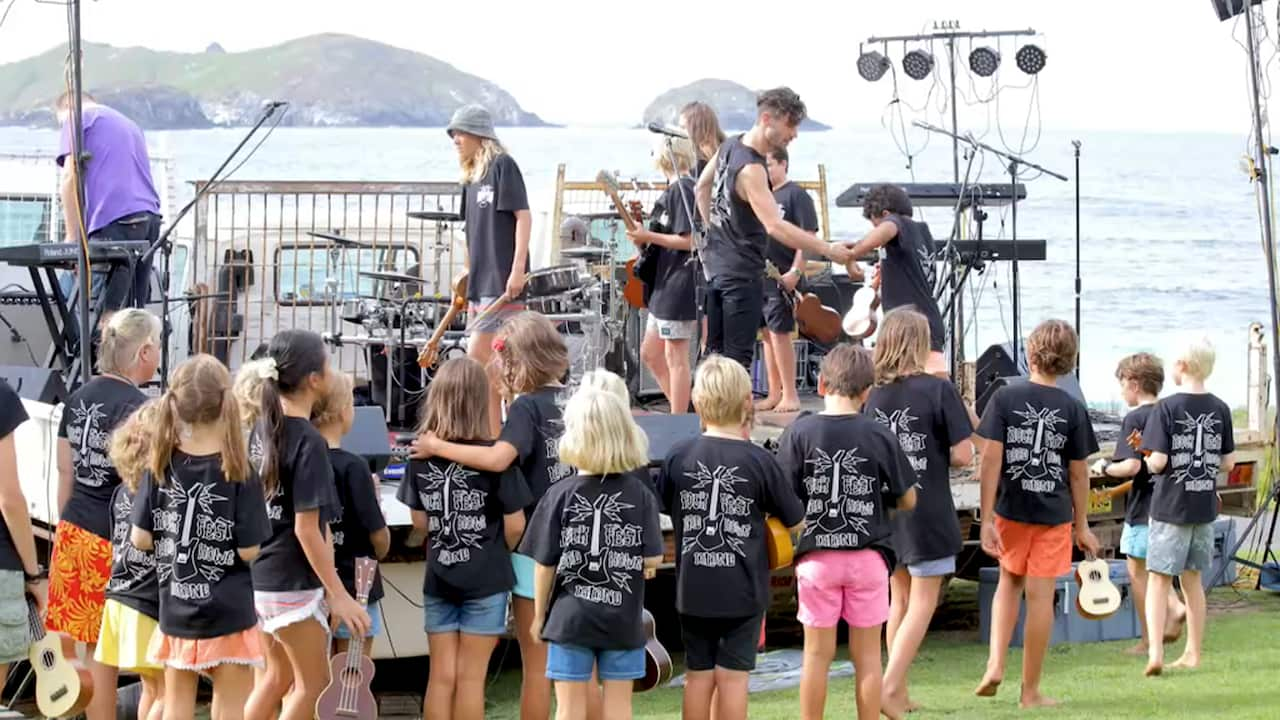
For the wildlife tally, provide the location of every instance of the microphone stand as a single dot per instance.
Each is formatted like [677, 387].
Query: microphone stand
[1076, 145]
[163, 243]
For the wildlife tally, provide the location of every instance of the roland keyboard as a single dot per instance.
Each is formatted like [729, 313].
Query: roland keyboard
[988, 250]
[940, 194]
[66, 254]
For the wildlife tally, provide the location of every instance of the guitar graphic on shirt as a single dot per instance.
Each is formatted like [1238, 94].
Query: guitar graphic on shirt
[1198, 468]
[1044, 421]
[721, 491]
[446, 519]
[594, 568]
[596, 571]
[845, 480]
[200, 496]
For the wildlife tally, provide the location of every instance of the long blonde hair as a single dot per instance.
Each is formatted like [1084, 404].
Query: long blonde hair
[600, 436]
[457, 406]
[902, 348]
[199, 394]
[475, 167]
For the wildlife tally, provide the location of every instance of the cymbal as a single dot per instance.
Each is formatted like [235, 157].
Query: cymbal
[585, 253]
[435, 215]
[337, 239]
[392, 277]
[612, 215]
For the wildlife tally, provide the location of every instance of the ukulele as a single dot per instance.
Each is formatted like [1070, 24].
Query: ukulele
[350, 672]
[863, 318]
[657, 661]
[778, 543]
[815, 321]
[1098, 597]
[632, 215]
[430, 354]
[63, 688]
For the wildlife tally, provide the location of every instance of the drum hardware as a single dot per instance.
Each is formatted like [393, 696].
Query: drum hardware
[585, 253]
[438, 216]
[392, 277]
[339, 240]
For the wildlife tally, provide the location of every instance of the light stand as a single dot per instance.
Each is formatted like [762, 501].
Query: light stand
[1076, 145]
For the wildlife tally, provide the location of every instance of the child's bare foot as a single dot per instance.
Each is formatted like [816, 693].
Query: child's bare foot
[1154, 668]
[1035, 700]
[767, 404]
[913, 706]
[1186, 662]
[893, 707]
[1173, 627]
[1140, 648]
[988, 686]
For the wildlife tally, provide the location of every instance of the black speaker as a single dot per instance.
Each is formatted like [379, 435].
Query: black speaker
[835, 291]
[33, 383]
[1067, 382]
[1228, 9]
[665, 431]
[997, 362]
[368, 437]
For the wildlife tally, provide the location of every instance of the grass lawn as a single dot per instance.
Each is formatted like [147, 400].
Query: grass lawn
[1239, 677]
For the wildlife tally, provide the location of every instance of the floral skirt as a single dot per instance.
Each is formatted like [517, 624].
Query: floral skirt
[79, 569]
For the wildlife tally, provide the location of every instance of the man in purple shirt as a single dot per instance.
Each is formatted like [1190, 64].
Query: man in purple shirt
[119, 196]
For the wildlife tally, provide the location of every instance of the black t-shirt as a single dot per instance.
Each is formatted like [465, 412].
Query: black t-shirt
[489, 207]
[305, 482]
[1043, 429]
[736, 248]
[906, 272]
[849, 471]
[1138, 503]
[1195, 431]
[798, 209]
[673, 294]
[199, 522]
[928, 417]
[90, 415]
[467, 556]
[12, 414]
[596, 531]
[361, 516]
[718, 491]
[534, 426]
[133, 571]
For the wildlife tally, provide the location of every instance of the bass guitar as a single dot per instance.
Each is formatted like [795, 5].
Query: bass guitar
[63, 688]
[350, 672]
[657, 661]
[815, 321]
[632, 215]
[863, 317]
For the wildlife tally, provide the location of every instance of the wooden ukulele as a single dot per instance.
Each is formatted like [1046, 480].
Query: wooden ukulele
[863, 317]
[63, 688]
[430, 354]
[657, 661]
[815, 321]
[632, 215]
[778, 543]
[350, 672]
[1098, 596]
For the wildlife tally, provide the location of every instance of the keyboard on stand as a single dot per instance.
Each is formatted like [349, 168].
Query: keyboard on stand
[940, 194]
[67, 254]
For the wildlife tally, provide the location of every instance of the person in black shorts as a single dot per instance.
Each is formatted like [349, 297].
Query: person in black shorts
[734, 199]
[779, 320]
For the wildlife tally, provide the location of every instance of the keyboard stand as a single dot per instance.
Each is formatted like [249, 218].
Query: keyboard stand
[64, 354]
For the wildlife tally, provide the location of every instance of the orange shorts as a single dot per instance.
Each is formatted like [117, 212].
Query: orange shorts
[78, 572]
[238, 648]
[1042, 551]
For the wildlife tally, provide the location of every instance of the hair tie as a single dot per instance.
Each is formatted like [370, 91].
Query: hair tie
[499, 345]
[268, 370]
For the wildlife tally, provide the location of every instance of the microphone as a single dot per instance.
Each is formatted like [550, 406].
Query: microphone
[270, 106]
[659, 128]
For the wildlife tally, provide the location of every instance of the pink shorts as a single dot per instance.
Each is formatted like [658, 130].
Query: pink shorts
[853, 584]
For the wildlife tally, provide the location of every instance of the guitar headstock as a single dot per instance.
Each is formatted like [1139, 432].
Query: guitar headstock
[1135, 441]
[366, 568]
[771, 271]
[637, 210]
[609, 181]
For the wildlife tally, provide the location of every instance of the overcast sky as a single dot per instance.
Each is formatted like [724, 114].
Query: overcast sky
[1156, 66]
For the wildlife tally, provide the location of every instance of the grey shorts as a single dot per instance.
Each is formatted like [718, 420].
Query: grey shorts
[933, 568]
[672, 329]
[493, 320]
[1175, 549]
[15, 637]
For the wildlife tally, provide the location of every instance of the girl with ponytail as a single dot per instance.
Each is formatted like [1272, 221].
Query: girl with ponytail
[296, 586]
[200, 509]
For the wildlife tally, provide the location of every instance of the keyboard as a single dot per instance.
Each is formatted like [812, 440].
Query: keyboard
[939, 194]
[68, 254]
[1028, 250]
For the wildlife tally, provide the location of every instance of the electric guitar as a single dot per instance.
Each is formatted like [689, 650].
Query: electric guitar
[350, 672]
[63, 688]
[1098, 597]
[632, 215]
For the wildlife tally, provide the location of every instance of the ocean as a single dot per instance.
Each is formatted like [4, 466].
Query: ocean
[1170, 244]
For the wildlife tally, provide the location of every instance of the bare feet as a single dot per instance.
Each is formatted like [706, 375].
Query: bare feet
[988, 686]
[767, 404]
[895, 705]
[1186, 662]
[1154, 668]
[1035, 700]
[1173, 627]
[913, 706]
[787, 405]
[1139, 649]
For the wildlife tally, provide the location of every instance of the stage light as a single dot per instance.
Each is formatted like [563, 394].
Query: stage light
[872, 66]
[1030, 59]
[917, 64]
[983, 61]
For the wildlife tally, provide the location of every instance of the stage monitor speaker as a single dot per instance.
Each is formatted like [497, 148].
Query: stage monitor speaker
[996, 368]
[33, 383]
[664, 431]
[643, 384]
[368, 437]
[1067, 382]
[1228, 9]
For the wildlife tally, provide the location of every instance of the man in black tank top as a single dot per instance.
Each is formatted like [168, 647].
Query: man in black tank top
[738, 206]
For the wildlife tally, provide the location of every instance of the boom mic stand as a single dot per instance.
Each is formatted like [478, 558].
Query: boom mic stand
[163, 243]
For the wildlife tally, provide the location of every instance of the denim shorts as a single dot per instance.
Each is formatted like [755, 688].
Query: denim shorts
[375, 625]
[572, 663]
[933, 568]
[481, 616]
[493, 321]
[1133, 541]
[523, 566]
[1174, 549]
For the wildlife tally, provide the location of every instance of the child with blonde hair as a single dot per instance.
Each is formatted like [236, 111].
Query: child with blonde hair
[469, 573]
[1191, 441]
[929, 420]
[718, 488]
[593, 537]
[201, 510]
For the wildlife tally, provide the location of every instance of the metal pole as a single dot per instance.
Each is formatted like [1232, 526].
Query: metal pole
[77, 157]
[955, 125]
[1076, 144]
[1268, 240]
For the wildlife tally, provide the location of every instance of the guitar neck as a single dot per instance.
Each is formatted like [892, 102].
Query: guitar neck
[621, 208]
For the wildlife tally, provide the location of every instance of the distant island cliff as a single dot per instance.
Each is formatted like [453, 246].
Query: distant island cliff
[330, 80]
[734, 104]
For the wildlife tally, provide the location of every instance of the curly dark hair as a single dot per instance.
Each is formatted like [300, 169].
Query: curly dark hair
[1052, 347]
[886, 197]
[782, 102]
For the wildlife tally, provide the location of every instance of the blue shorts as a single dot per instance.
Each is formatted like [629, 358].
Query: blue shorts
[1174, 549]
[1133, 541]
[523, 565]
[375, 627]
[572, 663]
[933, 568]
[481, 616]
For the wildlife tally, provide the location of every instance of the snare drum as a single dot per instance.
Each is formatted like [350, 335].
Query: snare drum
[357, 310]
[553, 281]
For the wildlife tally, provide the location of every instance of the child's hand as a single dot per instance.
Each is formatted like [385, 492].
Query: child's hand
[1087, 541]
[991, 544]
[344, 610]
[423, 446]
[535, 628]
[1099, 467]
